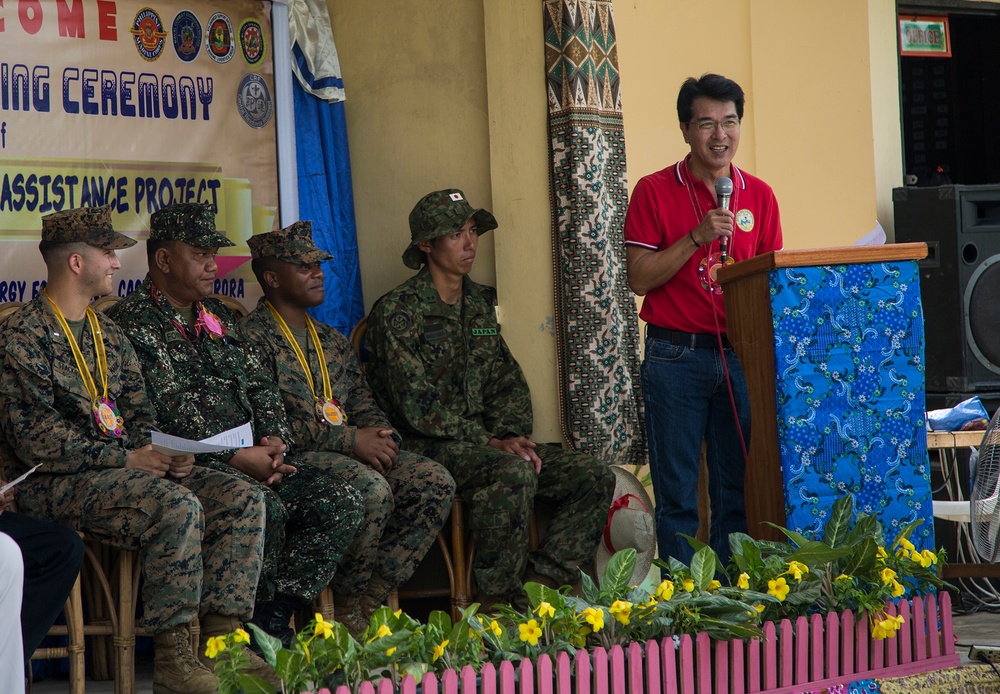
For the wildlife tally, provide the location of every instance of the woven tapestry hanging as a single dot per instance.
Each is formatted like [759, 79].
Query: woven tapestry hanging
[596, 318]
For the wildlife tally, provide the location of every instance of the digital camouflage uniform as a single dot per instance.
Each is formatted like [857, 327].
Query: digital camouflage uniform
[449, 383]
[198, 538]
[201, 386]
[404, 511]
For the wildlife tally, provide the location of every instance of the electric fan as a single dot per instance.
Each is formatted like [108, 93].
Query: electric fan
[985, 497]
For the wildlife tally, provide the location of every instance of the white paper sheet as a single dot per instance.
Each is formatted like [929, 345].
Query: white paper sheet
[240, 437]
[13, 483]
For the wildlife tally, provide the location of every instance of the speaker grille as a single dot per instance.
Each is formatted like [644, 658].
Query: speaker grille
[984, 314]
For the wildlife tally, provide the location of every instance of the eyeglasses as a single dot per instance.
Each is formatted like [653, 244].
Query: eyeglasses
[708, 126]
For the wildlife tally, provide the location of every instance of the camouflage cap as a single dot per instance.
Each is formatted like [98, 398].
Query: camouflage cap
[190, 222]
[440, 213]
[293, 244]
[89, 225]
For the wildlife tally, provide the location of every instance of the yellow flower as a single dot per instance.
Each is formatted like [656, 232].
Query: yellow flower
[397, 613]
[391, 651]
[760, 608]
[215, 646]
[897, 588]
[880, 552]
[743, 582]
[495, 628]
[665, 590]
[713, 585]
[778, 587]
[843, 578]
[241, 636]
[926, 558]
[323, 628]
[544, 609]
[796, 569]
[688, 584]
[594, 617]
[439, 650]
[383, 630]
[621, 609]
[904, 547]
[887, 575]
[530, 632]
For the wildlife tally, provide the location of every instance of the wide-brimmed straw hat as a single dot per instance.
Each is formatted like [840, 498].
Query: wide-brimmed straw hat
[630, 524]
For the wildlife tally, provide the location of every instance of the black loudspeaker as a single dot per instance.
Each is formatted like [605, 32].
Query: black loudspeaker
[959, 281]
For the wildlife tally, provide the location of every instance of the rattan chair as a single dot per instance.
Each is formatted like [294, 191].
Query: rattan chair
[234, 305]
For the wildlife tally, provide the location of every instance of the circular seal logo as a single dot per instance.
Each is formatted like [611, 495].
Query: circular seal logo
[399, 322]
[147, 29]
[253, 101]
[186, 31]
[252, 41]
[219, 39]
[744, 219]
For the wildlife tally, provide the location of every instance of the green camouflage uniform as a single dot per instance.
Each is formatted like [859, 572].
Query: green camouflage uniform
[404, 510]
[201, 386]
[198, 538]
[449, 383]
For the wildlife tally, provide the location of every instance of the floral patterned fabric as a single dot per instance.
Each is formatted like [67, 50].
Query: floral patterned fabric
[849, 347]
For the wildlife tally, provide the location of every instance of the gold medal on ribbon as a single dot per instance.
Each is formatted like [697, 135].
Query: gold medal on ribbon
[105, 412]
[328, 410]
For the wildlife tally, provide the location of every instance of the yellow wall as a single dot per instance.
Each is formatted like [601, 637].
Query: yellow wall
[451, 93]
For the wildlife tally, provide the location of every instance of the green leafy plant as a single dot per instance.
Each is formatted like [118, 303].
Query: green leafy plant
[848, 568]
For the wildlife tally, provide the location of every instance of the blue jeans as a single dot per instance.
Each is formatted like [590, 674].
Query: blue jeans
[687, 402]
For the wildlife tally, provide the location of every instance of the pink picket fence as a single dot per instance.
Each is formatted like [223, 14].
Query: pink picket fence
[801, 656]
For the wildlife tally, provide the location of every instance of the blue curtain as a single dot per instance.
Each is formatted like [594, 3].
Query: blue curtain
[326, 198]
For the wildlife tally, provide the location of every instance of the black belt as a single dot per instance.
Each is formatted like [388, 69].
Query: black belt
[692, 340]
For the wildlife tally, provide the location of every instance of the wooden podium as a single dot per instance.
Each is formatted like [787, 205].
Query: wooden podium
[750, 319]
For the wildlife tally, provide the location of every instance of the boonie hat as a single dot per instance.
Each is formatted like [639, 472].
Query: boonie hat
[190, 222]
[440, 213]
[293, 244]
[89, 225]
[630, 524]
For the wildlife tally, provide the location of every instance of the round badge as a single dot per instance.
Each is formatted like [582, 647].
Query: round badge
[252, 41]
[186, 35]
[219, 38]
[330, 413]
[399, 322]
[108, 419]
[708, 272]
[253, 101]
[147, 30]
[744, 220]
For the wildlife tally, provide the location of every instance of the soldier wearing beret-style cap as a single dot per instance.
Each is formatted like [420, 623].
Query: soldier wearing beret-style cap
[331, 410]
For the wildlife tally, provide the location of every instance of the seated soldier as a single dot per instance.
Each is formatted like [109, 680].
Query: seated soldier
[443, 373]
[204, 376]
[331, 409]
[75, 402]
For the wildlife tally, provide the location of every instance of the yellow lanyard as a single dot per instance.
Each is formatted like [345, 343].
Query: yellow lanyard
[303, 362]
[81, 365]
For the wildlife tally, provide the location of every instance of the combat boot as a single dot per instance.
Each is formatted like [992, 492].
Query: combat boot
[375, 596]
[274, 617]
[175, 669]
[220, 625]
[347, 611]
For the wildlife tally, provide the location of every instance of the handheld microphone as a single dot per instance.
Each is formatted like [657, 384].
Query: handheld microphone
[724, 191]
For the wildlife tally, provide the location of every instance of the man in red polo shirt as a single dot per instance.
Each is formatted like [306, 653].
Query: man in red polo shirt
[677, 234]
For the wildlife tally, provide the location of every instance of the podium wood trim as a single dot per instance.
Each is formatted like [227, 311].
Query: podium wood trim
[746, 291]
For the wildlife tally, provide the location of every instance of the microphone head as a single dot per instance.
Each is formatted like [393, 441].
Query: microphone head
[724, 187]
